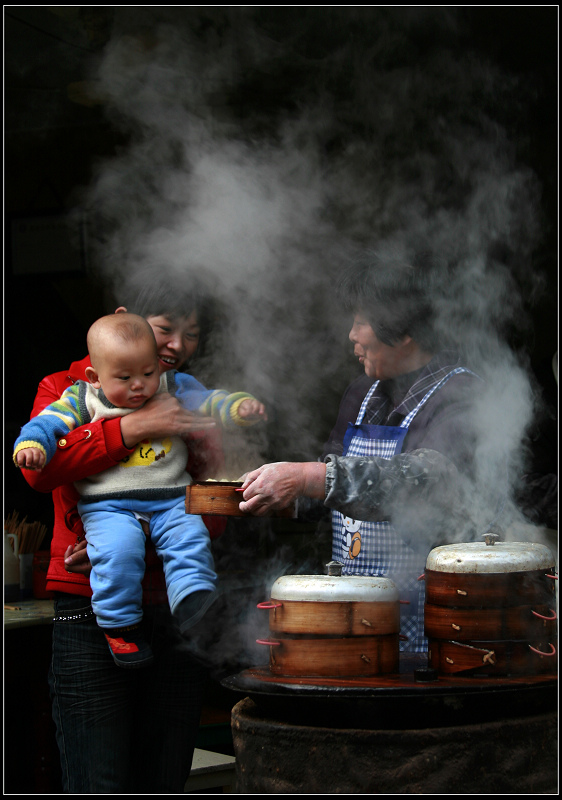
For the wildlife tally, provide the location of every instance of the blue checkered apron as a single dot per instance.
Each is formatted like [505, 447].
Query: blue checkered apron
[375, 548]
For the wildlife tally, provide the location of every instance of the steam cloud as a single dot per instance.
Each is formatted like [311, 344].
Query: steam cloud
[264, 155]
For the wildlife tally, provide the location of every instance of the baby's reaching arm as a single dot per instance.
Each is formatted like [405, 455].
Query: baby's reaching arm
[230, 408]
[251, 410]
[42, 432]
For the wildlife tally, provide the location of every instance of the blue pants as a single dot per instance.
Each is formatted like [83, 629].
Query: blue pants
[116, 548]
[122, 731]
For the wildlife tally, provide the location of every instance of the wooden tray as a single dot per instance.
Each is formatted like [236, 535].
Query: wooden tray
[221, 498]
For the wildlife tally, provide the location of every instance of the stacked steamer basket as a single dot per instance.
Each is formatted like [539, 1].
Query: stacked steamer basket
[332, 625]
[490, 608]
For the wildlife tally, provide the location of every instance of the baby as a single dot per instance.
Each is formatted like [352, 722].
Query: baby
[149, 484]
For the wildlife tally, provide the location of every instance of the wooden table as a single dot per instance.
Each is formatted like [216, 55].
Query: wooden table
[26, 613]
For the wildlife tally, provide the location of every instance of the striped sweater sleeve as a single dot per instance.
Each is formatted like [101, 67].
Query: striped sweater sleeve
[55, 421]
[217, 403]
[224, 406]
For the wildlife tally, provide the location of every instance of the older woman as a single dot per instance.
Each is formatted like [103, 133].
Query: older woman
[402, 441]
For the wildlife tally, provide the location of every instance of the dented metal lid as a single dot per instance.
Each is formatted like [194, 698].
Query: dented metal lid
[479, 557]
[330, 588]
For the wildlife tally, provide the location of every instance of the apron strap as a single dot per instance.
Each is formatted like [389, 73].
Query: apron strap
[365, 403]
[409, 417]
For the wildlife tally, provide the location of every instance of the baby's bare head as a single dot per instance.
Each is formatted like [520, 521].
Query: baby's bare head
[116, 331]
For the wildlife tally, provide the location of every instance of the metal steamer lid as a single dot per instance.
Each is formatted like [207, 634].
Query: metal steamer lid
[335, 588]
[490, 557]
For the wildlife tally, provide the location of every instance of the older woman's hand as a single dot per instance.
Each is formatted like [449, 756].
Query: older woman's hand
[162, 415]
[275, 486]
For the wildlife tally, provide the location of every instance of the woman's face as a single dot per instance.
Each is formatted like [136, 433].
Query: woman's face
[177, 339]
[380, 361]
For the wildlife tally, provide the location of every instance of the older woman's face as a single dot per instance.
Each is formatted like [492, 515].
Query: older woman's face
[177, 339]
[380, 361]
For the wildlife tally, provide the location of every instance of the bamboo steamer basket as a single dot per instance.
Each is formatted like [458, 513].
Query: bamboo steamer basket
[490, 608]
[332, 625]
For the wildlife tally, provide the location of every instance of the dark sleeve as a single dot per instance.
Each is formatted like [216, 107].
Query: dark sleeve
[375, 488]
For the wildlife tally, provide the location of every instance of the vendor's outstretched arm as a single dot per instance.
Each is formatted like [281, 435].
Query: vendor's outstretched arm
[362, 488]
[275, 486]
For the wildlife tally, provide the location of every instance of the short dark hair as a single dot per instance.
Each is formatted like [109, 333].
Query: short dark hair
[396, 294]
[164, 298]
[155, 293]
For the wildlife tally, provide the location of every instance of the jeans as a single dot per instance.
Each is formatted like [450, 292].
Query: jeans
[122, 731]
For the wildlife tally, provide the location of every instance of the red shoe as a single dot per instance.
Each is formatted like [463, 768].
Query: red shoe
[128, 646]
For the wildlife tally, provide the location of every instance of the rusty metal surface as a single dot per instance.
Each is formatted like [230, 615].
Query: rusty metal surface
[506, 756]
[395, 701]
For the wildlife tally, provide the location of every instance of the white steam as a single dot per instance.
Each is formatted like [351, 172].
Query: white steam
[264, 157]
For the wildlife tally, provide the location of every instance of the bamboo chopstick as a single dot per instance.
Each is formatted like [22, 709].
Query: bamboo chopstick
[30, 534]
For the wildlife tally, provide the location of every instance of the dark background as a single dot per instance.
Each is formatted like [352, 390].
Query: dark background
[401, 109]
[57, 134]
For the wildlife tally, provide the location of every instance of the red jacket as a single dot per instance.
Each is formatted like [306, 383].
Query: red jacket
[86, 451]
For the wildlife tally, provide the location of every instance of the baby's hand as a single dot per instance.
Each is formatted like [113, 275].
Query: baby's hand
[30, 458]
[252, 409]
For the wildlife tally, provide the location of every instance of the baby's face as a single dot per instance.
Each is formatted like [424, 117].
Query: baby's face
[129, 373]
